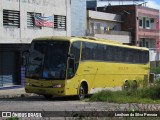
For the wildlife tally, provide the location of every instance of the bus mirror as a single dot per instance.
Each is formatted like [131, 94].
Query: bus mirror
[25, 55]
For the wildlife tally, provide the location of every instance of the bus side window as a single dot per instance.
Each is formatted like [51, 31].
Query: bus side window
[109, 54]
[75, 50]
[84, 51]
[74, 58]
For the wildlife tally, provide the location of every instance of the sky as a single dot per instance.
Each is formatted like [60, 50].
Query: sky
[150, 3]
[153, 4]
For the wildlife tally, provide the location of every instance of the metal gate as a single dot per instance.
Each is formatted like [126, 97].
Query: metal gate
[7, 68]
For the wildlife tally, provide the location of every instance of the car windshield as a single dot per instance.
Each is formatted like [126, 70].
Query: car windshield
[47, 60]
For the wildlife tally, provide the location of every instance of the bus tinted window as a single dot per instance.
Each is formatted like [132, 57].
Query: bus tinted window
[75, 50]
[107, 54]
[100, 52]
[112, 53]
[40, 46]
[120, 54]
[89, 51]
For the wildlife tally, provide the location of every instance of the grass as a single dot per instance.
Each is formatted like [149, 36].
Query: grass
[144, 95]
[13, 118]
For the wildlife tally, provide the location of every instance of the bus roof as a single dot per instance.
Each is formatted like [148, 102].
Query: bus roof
[54, 38]
[89, 39]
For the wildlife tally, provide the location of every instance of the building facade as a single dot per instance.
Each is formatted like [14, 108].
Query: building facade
[18, 26]
[106, 26]
[141, 21]
[143, 24]
[17, 22]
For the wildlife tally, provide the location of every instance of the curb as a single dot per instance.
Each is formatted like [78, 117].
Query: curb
[17, 95]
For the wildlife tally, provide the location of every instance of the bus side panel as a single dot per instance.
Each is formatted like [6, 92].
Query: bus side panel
[105, 75]
[86, 72]
[113, 75]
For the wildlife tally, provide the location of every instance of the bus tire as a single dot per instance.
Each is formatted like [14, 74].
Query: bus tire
[82, 91]
[126, 85]
[48, 97]
[135, 85]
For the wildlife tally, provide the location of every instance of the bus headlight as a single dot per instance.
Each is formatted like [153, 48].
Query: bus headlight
[29, 84]
[58, 85]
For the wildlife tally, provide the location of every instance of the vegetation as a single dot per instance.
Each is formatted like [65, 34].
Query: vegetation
[13, 118]
[147, 94]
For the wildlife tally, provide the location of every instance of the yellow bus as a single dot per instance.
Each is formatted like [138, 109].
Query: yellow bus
[63, 66]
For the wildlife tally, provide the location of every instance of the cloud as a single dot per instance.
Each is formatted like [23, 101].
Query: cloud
[153, 4]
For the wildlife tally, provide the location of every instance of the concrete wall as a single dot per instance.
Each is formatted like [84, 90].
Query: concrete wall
[104, 16]
[45, 7]
[118, 38]
[1, 19]
[78, 17]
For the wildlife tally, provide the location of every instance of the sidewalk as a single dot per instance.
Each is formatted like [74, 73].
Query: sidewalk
[13, 93]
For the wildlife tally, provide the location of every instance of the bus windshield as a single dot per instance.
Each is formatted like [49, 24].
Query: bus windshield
[47, 60]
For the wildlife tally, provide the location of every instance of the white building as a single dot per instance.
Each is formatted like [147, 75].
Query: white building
[18, 28]
[17, 19]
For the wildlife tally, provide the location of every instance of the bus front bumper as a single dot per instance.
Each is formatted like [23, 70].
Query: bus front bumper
[45, 91]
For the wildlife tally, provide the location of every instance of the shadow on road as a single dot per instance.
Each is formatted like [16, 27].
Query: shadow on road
[40, 98]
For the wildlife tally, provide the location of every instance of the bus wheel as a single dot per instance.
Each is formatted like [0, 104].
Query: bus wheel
[82, 92]
[135, 85]
[126, 85]
[48, 96]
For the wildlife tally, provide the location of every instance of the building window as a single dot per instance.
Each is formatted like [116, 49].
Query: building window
[91, 28]
[147, 23]
[152, 20]
[98, 26]
[60, 22]
[140, 44]
[140, 23]
[31, 20]
[11, 18]
[147, 44]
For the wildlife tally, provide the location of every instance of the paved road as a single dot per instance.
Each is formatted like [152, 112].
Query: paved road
[38, 103]
[56, 104]
[66, 103]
